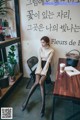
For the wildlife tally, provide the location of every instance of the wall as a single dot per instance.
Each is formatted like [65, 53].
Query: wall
[59, 22]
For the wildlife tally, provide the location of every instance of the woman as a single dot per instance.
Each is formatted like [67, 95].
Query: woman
[43, 70]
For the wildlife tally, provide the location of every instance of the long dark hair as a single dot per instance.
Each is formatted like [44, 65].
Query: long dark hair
[46, 39]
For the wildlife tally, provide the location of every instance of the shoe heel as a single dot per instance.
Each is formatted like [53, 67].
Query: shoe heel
[42, 114]
[23, 108]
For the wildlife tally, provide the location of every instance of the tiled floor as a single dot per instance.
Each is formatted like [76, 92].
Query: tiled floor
[63, 108]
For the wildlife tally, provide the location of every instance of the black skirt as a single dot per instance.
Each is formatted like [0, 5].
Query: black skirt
[48, 79]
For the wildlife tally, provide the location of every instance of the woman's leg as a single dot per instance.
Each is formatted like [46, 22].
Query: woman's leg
[31, 92]
[42, 86]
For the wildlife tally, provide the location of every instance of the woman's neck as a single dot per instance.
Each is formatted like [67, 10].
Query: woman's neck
[46, 47]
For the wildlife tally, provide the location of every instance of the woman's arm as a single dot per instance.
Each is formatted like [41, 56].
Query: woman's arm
[45, 69]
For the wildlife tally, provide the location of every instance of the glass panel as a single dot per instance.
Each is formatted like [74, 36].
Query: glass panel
[7, 19]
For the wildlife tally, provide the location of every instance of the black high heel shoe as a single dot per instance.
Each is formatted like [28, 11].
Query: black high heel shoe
[42, 114]
[23, 107]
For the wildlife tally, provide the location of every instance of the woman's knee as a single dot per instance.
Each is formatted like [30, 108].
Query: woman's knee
[36, 83]
[37, 79]
[42, 80]
[41, 83]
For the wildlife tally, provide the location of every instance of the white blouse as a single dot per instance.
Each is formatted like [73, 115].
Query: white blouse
[45, 54]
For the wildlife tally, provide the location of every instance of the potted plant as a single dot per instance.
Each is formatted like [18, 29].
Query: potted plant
[11, 63]
[4, 82]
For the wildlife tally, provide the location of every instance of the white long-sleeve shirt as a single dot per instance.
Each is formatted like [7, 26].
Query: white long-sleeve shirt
[45, 54]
